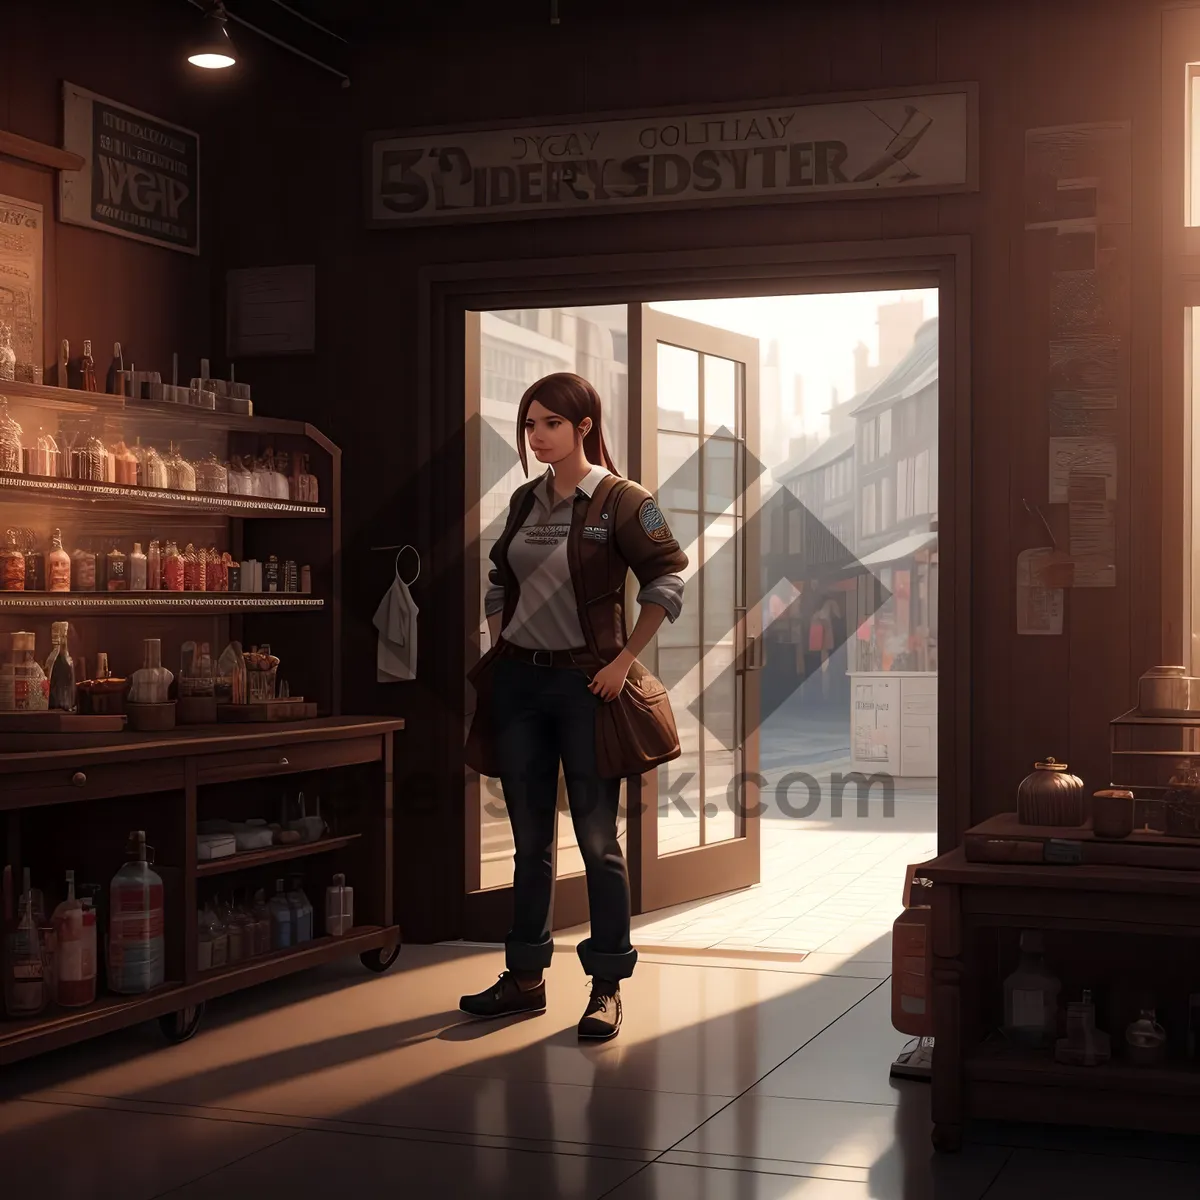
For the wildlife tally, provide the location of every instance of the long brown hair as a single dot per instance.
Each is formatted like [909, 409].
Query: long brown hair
[569, 396]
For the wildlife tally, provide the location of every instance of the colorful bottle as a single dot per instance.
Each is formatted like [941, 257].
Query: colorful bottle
[138, 567]
[31, 688]
[154, 567]
[60, 669]
[75, 937]
[135, 935]
[172, 569]
[117, 572]
[87, 367]
[12, 565]
[58, 566]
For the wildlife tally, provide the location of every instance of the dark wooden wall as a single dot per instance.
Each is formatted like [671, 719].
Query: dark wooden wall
[98, 285]
[284, 182]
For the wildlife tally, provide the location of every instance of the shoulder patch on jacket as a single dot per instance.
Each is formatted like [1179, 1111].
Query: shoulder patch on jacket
[653, 523]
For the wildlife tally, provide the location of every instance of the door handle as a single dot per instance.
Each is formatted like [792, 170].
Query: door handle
[756, 653]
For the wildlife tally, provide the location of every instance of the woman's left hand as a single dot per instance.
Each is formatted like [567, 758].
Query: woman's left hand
[608, 681]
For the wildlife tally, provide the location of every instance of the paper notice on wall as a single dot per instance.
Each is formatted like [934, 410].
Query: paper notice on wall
[1040, 605]
[1093, 525]
[1082, 468]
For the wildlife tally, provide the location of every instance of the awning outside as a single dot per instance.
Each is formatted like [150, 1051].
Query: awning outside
[901, 548]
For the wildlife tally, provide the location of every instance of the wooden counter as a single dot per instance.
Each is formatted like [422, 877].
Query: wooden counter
[1123, 929]
[73, 806]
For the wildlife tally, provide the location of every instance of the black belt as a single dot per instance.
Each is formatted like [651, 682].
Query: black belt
[546, 658]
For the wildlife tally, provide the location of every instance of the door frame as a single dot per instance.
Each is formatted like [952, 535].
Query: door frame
[448, 291]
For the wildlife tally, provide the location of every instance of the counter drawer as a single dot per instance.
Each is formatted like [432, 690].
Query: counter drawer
[65, 785]
[287, 759]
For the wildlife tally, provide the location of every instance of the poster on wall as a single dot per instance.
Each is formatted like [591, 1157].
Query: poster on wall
[141, 174]
[908, 142]
[21, 278]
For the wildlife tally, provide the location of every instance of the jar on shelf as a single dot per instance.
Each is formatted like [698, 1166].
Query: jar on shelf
[1050, 796]
[240, 478]
[151, 470]
[83, 570]
[90, 460]
[10, 441]
[125, 465]
[181, 475]
[41, 456]
[211, 475]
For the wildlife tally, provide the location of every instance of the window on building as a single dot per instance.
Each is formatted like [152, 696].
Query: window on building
[889, 488]
[869, 516]
[921, 483]
[868, 441]
[885, 434]
[904, 489]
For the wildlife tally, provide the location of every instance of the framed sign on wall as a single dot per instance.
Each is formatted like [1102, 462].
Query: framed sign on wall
[21, 235]
[141, 175]
[903, 142]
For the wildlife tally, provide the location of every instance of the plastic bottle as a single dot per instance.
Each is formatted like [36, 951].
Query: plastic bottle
[302, 913]
[75, 981]
[135, 929]
[282, 925]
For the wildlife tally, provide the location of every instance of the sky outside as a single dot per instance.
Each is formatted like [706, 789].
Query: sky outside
[816, 335]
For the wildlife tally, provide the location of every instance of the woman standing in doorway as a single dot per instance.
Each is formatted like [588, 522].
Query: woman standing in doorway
[558, 653]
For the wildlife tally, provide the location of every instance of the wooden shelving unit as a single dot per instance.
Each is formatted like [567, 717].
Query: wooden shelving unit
[68, 800]
[276, 854]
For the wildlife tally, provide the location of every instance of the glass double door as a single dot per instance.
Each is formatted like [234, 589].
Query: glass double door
[680, 416]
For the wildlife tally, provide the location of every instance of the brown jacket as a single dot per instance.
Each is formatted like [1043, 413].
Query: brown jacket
[606, 541]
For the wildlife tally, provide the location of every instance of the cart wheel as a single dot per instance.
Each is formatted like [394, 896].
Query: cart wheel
[180, 1026]
[379, 960]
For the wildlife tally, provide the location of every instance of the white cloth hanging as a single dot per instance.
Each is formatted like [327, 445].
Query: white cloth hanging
[396, 623]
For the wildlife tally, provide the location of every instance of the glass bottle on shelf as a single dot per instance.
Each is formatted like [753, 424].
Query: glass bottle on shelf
[262, 923]
[31, 688]
[10, 441]
[83, 569]
[302, 912]
[282, 926]
[240, 479]
[137, 569]
[312, 488]
[87, 368]
[152, 471]
[35, 562]
[1031, 996]
[154, 566]
[136, 952]
[58, 565]
[190, 569]
[92, 460]
[75, 942]
[279, 476]
[339, 907]
[12, 565]
[25, 972]
[117, 573]
[60, 669]
[8, 356]
[172, 568]
[151, 684]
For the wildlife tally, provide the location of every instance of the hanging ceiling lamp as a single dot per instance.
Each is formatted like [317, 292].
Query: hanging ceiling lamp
[213, 49]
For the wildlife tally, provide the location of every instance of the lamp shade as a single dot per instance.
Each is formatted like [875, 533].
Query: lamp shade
[213, 49]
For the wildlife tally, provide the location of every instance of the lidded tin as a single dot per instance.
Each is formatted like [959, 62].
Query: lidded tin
[1050, 796]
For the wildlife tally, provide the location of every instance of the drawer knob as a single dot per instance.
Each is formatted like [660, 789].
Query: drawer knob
[79, 779]
[283, 762]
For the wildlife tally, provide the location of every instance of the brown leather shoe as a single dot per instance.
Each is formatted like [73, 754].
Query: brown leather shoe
[504, 998]
[602, 1017]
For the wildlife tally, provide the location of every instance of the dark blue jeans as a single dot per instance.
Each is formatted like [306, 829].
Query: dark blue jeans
[541, 716]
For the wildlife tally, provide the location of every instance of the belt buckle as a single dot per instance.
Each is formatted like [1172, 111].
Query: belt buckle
[549, 659]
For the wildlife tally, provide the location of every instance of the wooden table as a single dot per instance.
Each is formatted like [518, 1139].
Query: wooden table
[1122, 928]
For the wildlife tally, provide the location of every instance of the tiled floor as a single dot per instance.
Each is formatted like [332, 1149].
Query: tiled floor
[747, 1080]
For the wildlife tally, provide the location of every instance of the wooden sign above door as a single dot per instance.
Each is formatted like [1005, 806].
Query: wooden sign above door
[905, 142]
